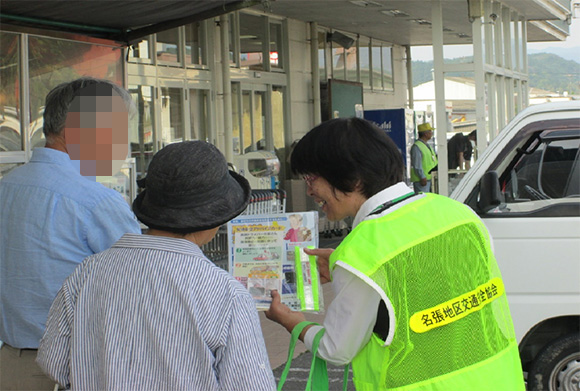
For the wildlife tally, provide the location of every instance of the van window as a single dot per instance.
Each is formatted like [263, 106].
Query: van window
[543, 178]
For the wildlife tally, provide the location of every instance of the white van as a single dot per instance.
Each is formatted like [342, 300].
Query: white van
[526, 188]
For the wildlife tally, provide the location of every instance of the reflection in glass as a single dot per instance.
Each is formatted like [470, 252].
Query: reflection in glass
[278, 129]
[365, 62]
[54, 61]
[10, 131]
[251, 42]
[141, 135]
[276, 54]
[351, 64]
[247, 121]
[198, 114]
[259, 122]
[236, 119]
[233, 44]
[387, 68]
[167, 45]
[376, 67]
[140, 50]
[546, 171]
[338, 61]
[194, 44]
[171, 115]
[278, 116]
[322, 56]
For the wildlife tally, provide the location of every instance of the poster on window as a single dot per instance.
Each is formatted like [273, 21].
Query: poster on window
[261, 252]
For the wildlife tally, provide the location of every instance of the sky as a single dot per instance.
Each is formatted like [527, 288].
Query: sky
[425, 53]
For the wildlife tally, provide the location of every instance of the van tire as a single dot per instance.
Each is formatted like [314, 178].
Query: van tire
[557, 366]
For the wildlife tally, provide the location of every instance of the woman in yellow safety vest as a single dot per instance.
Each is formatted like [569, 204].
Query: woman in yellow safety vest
[419, 301]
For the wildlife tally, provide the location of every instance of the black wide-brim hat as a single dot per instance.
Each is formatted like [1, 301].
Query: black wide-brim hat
[189, 188]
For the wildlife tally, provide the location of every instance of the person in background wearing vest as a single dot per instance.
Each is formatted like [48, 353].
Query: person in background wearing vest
[419, 301]
[423, 159]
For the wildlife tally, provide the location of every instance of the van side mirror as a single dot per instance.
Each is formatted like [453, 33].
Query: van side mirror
[490, 195]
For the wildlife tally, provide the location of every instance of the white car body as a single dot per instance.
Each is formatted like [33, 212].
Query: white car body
[536, 241]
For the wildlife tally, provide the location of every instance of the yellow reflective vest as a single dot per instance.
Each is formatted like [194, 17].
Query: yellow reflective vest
[432, 264]
[429, 161]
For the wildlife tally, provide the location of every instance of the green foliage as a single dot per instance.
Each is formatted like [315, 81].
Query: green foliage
[553, 73]
[546, 71]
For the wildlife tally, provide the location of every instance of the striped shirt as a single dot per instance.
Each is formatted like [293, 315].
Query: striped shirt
[153, 313]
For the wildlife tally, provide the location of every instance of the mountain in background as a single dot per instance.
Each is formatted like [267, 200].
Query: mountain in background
[546, 71]
[572, 54]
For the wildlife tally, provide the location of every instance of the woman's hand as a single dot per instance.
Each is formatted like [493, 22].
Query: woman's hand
[322, 254]
[281, 314]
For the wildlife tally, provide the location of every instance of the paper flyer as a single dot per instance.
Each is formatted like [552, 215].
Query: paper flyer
[261, 251]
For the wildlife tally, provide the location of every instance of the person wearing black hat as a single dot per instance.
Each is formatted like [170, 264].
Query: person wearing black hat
[153, 312]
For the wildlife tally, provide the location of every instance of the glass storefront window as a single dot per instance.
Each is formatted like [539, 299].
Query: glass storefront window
[236, 118]
[172, 129]
[351, 64]
[338, 61]
[194, 44]
[168, 46]
[387, 62]
[247, 121]
[142, 136]
[232, 27]
[198, 102]
[276, 54]
[140, 50]
[278, 129]
[322, 71]
[10, 129]
[53, 61]
[259, 122]
[251, 42]
[376, 67]
[365, 64]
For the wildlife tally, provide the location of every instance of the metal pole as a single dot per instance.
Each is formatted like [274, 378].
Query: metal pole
[409, 77]
[439, 80]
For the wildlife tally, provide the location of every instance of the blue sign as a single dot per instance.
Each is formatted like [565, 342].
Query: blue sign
[392, 121]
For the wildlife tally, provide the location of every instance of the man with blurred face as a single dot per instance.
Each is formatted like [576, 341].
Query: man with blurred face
[53, 214]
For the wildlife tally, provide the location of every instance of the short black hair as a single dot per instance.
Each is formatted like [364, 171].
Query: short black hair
[346, 151]
[473, 134]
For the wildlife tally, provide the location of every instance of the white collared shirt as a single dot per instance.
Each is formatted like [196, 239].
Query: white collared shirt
[352, 315]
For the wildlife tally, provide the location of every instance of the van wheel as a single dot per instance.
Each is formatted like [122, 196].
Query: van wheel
[557, 366]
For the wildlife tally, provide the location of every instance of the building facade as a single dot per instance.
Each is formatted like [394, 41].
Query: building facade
[249, 80]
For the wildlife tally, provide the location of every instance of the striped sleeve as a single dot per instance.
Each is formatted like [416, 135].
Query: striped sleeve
[242, 363]
[54, 350]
